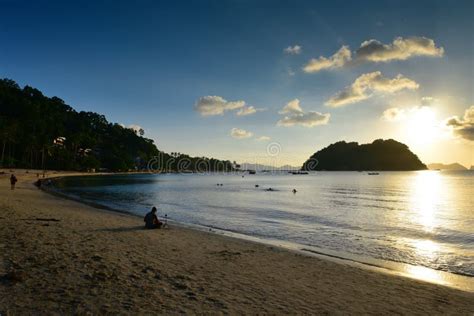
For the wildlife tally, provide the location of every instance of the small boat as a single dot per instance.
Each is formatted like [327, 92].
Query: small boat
[252, 171]
[373, 173]
[299, 172]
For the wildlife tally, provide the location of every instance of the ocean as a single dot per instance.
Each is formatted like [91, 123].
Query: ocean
[423, 220]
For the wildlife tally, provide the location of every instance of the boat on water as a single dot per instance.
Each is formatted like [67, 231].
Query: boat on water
[252, 171]
[373, 173]
[299, 172]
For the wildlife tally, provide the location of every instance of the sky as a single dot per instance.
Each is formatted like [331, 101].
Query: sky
[256, 81]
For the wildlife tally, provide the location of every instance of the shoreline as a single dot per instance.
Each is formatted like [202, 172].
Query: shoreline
[439, 277]
[98, 261]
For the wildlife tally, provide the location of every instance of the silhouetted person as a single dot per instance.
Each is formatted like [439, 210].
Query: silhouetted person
[13, 181]
[38, 183]
[151, 220]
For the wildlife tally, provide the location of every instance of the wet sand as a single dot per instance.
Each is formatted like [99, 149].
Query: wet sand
[58, 256]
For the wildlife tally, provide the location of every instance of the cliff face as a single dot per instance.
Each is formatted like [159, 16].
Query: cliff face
[382, 155]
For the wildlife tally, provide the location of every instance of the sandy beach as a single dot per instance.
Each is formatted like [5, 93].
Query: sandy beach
[58, 256]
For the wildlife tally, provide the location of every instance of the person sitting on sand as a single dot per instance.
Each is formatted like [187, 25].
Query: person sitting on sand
[151, 220]
[13, 181]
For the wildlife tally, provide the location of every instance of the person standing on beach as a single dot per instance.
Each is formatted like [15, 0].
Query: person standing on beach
[151, 220]
[13, 181]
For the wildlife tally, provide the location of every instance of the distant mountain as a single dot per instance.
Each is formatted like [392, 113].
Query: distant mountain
[260, 167]
[381, 155]
[441, 166]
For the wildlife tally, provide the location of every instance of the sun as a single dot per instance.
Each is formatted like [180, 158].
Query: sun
[421, 126]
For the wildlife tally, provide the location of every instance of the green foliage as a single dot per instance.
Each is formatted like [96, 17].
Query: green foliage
[380, 155]
[40, 132]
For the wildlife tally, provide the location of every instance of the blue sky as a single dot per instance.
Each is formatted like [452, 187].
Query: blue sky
[148, 63]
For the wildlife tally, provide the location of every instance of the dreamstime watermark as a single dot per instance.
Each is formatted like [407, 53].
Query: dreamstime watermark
[273, 149]
[165, 163]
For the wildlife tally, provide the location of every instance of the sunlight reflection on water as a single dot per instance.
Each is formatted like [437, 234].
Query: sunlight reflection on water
[426, 197]
[423, 219]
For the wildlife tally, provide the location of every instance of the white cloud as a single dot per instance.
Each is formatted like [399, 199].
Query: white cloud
[375, 51]
[248, 110]
[463, 127]
[393, 114]
[296, 116]
[240, 133]
[361, 88]
[263, 138]
[309, 119]
[338, 60]
[216, 105]
[292, 107]
[293, 50]
[400, 49]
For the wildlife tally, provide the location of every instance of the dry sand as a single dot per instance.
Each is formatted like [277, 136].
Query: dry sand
[61, 257]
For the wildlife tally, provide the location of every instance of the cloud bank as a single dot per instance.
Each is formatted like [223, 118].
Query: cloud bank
[366, 84]
[463, 127]
[376, 51]
[296, 116]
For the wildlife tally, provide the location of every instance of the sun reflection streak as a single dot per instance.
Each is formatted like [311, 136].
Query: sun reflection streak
[427, 248]
[425, 198]
[425, 202]
[425, 274]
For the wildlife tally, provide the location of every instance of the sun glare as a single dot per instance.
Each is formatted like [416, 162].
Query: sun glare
[422, 126]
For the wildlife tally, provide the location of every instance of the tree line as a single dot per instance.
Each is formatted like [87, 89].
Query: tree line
[39, 132]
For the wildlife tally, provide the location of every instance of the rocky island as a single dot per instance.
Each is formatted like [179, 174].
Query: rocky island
[380, 155]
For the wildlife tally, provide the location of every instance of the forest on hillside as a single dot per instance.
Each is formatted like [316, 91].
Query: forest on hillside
[39, 132]
[387, 155]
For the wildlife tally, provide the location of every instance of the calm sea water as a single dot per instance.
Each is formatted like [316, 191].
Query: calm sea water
[425, 218]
